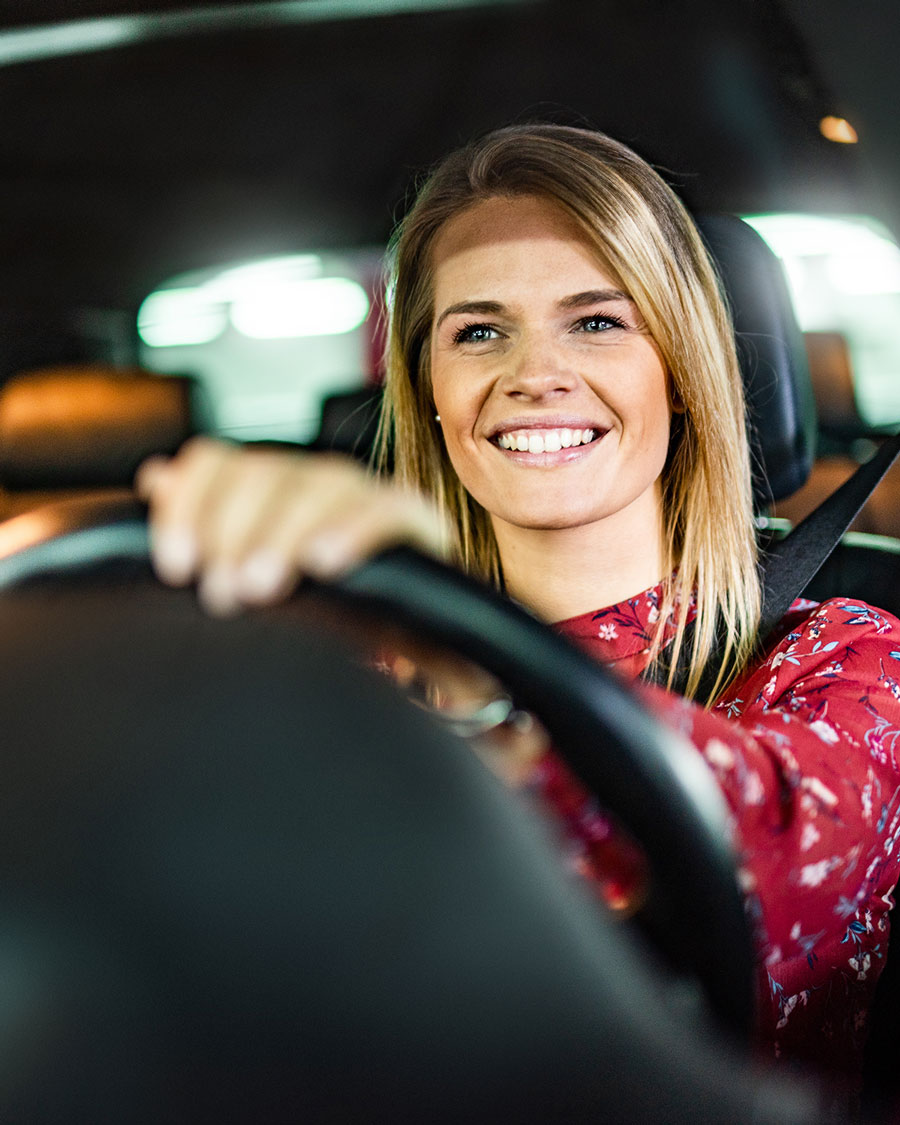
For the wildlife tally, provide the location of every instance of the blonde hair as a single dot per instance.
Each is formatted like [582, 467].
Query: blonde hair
[645, 239]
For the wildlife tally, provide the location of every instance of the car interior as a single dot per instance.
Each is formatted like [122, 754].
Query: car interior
[226, 903]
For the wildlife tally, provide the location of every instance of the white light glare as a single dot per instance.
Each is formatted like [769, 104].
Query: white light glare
[325, 306]
[858, 255]
[172, 317]
[75, 37]
[239, 282]
[272, 299]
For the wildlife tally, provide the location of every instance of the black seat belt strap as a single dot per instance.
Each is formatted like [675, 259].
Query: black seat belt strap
[792, 562]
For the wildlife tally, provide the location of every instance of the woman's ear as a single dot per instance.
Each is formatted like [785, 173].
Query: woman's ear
[675, 399]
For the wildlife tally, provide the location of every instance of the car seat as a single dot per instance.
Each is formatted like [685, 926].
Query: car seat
[73, 429]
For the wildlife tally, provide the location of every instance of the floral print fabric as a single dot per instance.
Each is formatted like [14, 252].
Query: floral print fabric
[805, 748]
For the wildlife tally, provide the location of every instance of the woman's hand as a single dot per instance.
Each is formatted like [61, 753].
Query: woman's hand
[247, 524]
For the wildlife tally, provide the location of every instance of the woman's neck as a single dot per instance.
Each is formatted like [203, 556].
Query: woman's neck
[563, 572]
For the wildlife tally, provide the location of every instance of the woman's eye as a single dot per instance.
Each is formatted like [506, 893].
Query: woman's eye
[474, 334]
[599, 323]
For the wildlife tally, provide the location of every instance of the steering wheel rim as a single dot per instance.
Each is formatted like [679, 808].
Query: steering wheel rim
[654, 783]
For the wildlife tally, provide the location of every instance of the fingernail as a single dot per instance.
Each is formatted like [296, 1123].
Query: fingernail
[325, 555]
[262, 576]
[174, 555]
[217, 590]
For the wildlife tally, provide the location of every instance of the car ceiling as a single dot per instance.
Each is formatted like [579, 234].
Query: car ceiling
[121, 167]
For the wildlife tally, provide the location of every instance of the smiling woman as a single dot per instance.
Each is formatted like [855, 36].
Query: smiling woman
[565, 356]
[565, 416]
[549, 216]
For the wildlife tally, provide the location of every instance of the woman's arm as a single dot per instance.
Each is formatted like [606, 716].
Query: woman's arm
[806, 749]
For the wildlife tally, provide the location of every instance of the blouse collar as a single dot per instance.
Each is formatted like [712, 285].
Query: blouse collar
[623, 634]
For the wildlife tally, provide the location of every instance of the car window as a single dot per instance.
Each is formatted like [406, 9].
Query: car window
[268, 339]
[844, 275]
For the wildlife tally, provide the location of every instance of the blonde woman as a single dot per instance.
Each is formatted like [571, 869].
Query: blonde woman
[565, 413]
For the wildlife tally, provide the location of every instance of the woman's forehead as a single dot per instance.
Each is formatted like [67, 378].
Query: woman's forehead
[504, 218]
[511, 241]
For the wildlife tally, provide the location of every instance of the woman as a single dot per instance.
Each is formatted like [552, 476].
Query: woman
[565, 411]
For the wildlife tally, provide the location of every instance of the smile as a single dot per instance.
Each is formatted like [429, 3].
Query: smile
[545, 441]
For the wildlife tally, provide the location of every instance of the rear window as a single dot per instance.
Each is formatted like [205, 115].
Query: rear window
[844, 275]
[269, 339]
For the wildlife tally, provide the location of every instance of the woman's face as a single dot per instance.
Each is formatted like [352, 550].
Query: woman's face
[553, 398]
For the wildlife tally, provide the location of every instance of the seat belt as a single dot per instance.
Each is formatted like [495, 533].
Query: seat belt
[792, 562]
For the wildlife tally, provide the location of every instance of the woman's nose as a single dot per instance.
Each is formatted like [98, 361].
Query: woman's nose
[538, 371]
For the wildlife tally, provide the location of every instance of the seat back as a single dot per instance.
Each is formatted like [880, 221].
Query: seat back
[780, 405]
[831, 369]
[65, 429]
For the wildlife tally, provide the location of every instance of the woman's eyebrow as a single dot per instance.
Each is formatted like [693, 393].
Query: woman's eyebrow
[592, 297]
[475, 308]
[495, 308]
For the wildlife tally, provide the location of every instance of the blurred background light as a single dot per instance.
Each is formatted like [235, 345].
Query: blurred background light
[325, 306]
[271, 299]
[72, 37]
[267, 339]
[28, 43]
[180, 316]
[839, 130]
[242, 281]
[844, 275]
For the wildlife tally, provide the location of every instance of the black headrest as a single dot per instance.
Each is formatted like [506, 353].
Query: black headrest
[88, 426]
[780, 404]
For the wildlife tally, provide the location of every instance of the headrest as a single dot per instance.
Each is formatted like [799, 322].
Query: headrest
[780, 403]
[832, 379]
[349, 422]
[90, 426]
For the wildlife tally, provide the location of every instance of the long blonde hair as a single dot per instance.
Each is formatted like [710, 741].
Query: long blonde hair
[645, 239]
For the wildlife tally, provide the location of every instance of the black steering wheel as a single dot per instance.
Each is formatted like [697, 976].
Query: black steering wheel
[654, 784]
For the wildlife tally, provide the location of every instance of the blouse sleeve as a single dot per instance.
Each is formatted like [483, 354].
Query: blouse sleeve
[805, 749]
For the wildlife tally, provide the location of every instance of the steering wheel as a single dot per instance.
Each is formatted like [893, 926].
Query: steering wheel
[656, 785]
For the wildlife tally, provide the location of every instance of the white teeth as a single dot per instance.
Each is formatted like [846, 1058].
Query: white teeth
[544, 441]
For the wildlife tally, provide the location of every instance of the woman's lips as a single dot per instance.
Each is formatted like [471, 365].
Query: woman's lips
[548, 446]
[550, 440]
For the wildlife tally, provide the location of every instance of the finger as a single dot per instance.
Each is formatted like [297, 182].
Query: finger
[262, 514]
[151, 477]
[253, 493]
[314, 496]
[367, 525]
[180, 494]
[325, 540]
[245, 497]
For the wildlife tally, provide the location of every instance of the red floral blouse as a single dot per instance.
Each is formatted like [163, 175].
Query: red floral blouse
[805, 747]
